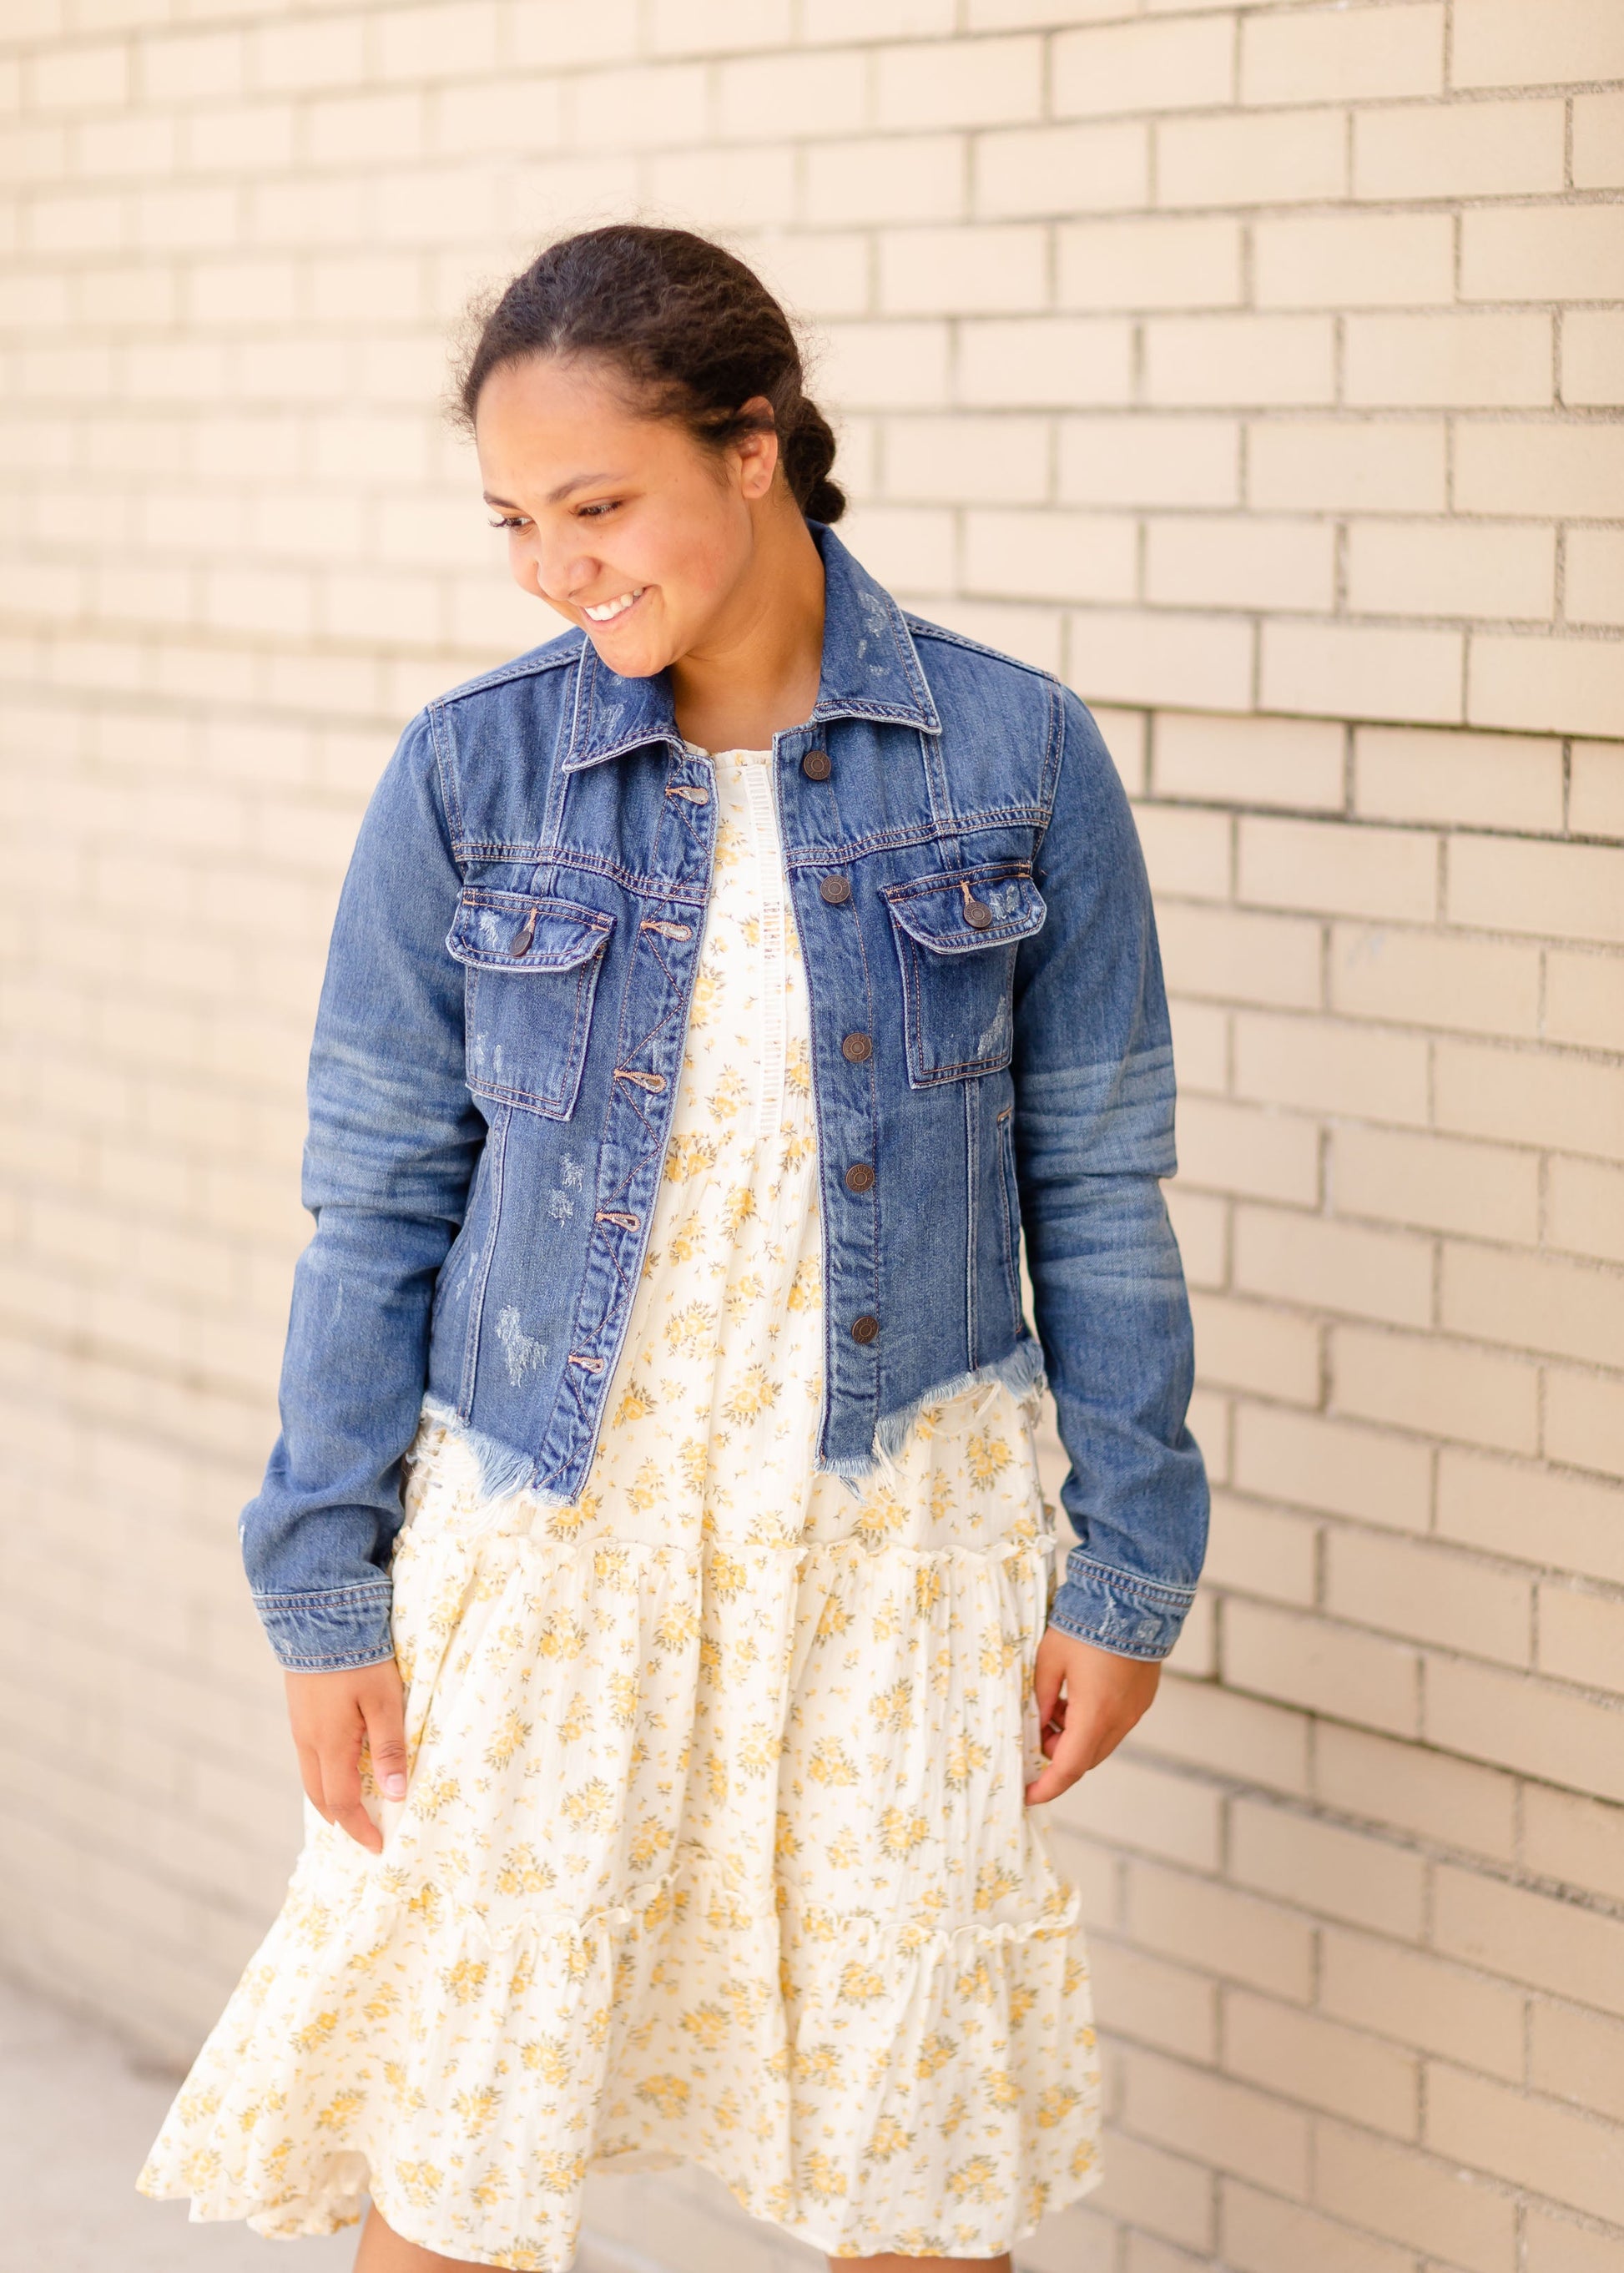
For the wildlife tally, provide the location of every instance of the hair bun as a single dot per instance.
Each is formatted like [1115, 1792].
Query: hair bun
[808, 454]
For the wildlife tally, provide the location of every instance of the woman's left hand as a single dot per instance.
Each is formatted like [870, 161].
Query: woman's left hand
[1104, 1695]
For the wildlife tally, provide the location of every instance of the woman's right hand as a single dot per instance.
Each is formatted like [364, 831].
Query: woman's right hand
[333, 1717]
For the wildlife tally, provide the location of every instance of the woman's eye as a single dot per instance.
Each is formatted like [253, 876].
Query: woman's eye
[597, 512]
[510, 521]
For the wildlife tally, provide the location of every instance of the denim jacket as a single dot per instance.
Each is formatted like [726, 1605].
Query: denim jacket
[496, 1052]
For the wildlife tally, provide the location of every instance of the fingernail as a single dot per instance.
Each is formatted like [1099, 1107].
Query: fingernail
[395, 1785]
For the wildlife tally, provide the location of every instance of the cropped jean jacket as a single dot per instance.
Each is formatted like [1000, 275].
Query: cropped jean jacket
[495, 1060]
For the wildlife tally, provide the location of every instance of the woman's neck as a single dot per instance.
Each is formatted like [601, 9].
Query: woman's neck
[760, 673]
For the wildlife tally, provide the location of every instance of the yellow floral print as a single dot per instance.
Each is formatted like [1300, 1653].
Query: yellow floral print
[714, 1846]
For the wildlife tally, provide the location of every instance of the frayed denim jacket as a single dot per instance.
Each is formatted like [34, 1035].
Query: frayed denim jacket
[495, 1060]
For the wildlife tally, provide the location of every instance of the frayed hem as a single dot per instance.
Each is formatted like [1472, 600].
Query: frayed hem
[504, 1471]
[1021, 1372]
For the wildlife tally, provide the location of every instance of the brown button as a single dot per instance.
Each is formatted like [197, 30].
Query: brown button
[864, 1329]
[860, 1177]
[520, 943]
[857, 1047]
[816, 765]
[834, 889]
[978, 915]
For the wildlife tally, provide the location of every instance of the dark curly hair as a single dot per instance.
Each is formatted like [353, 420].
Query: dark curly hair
[694, 330]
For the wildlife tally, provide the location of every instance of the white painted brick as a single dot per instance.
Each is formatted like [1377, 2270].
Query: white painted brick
[802, 94]
[551, 34]
[1498, 44]
[449, 39]
[79, 79]
[1268, 762]
[678, 27]
[1402, 568]
[1596, 802]
[882, 366]
[1048, 555]
[1532, 252]
[966, 83]
[1131, 460]
[946, 459]
[1282, 157]
[638, 108]
[1239, 560]
[1061, 170]
[1353, 261]
[1145, 66]
[1574, 471]
[1478, 149]
[1599, 143]
[1362, 465]
[1454, 362]
[1567, 685]
[1323, 55]
[309, 53]
[1351, 671]
[876, 19]
[962, 272]
[1146, 656]
[1150, 263]
[724, 189]
[920, 177]
[1242, 360]
[1593, 582]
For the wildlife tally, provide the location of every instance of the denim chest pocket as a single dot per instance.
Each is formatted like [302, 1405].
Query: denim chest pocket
[532, 968]
[957, 937]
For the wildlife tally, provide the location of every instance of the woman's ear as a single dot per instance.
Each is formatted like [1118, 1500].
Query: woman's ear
[758, 451]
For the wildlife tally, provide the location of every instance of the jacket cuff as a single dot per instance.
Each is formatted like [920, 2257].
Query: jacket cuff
[1116, 1609]
[330, 1630]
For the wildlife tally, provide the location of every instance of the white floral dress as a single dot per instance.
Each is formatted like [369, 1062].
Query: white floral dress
[714, 1845]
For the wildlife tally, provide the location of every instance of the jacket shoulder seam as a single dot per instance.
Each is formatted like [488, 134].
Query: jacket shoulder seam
[922, 627]
[557, 654]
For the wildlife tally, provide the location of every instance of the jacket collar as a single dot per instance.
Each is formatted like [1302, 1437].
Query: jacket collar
[870, 669]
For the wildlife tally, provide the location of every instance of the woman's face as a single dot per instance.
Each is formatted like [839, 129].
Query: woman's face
[624, 524]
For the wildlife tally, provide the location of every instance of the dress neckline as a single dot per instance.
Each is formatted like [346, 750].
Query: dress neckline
[717, 757]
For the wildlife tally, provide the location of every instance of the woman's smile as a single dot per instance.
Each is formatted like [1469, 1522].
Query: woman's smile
[606, 612]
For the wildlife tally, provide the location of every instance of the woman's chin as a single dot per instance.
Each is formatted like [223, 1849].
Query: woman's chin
[627, 656]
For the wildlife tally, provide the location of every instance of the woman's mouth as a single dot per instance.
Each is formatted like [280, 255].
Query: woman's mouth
[606, 611]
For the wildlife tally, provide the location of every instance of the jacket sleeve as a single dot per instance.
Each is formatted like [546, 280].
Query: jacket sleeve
[394, 1138]
[1094, 1133]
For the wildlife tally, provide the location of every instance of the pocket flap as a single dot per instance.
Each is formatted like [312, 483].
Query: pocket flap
[936, 911]
[516, 931]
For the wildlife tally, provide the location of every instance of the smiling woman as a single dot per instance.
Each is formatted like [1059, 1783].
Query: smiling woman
[592, 381]
[655, 1544]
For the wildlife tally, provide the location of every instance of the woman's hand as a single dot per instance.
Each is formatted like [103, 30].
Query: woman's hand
[1105, 1694]
[333, 1715]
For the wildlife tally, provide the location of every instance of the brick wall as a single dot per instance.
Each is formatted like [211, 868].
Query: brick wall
[1258, 367]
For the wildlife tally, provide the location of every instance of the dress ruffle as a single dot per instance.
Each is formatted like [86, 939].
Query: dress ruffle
[606, 1930]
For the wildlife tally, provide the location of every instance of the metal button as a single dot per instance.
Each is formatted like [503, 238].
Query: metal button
[857, 1047]
[816, 765]
[978, 915]
[860, 1177]
[834, 889]
[864, 1329]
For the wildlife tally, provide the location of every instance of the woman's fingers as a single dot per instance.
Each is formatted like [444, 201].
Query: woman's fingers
[1105, 1694]
[333, 1715]
[383, 1705]
[1071, 1754]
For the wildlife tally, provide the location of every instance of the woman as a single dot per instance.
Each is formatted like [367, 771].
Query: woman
[654, 1544]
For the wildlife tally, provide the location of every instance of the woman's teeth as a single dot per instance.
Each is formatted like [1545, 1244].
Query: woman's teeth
[610, 609]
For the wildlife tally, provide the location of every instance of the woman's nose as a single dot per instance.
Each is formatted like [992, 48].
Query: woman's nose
[562, 571]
